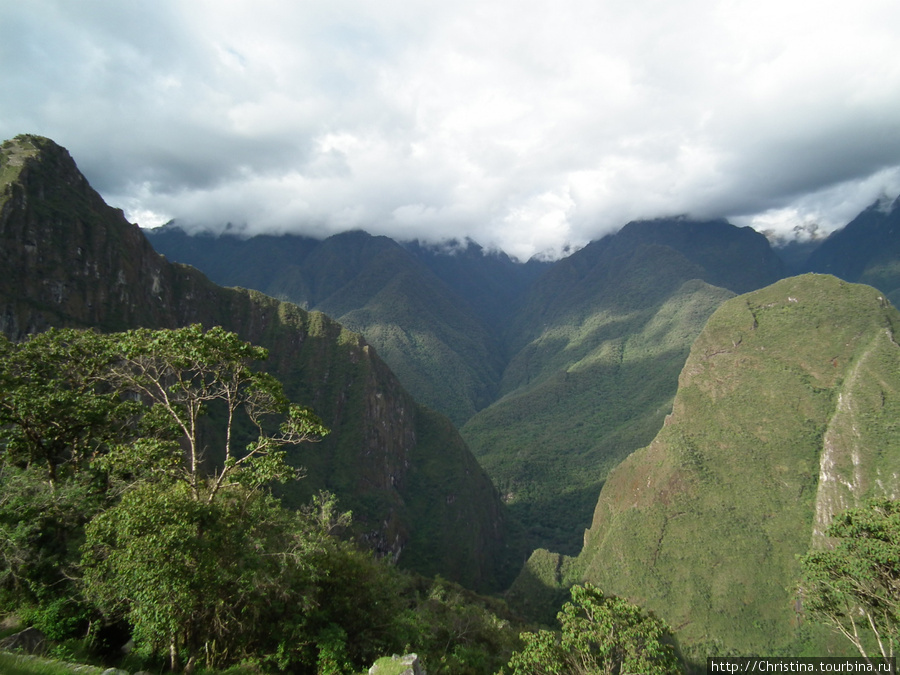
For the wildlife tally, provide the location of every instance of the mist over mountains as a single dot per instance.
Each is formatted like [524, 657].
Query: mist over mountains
[665, 411]
[553, 372]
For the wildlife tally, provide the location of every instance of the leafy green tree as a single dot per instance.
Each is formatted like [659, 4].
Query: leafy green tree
[194, 578]
[185, 545]
[599, 634]
[57, 415]
[197, 551]
[181, 374]
[56, 410]
[853, 586]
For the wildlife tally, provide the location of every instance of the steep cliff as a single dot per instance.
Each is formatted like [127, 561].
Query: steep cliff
[786, 413]
[416, 491]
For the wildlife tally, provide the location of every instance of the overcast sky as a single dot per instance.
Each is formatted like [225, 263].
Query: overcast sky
[523, 124]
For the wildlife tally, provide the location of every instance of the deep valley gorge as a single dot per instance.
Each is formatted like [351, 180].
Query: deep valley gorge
[674, 413]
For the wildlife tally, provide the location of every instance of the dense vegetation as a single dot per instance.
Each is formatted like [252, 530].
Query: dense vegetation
[70, 260]
[599, 634]
[118, 515]
[785, 416]
[851, 583]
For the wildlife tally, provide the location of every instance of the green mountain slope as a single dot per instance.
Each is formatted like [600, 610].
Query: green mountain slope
[786, 413]
[416, 491]
[555, 378]
[597, 347]
[436, 340]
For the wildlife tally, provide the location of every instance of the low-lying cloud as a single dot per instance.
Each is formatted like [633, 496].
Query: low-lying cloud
[528, 126]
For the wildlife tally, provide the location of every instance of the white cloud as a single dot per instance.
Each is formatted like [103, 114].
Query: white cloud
[525, 125]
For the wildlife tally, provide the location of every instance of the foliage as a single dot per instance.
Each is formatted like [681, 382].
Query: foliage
[853, 586]
[56, 417]
[55, 411]
[457, 632]
[599, 634]
[706, 524]
[181, 373]
[200, 578]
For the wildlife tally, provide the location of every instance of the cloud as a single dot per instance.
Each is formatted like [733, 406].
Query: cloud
[528, 126]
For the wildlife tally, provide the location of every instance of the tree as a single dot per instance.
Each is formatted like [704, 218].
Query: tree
[599, 634]
[181, 374]
[853, 586]
[194, 578]
[184, 541]
[56, 410]
[57, 416]
[196, 548]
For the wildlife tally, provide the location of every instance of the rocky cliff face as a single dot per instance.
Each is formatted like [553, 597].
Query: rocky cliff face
[71, 260]
[785, 415]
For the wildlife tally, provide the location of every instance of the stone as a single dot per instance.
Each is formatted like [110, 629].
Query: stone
[30, 641]
[396, 667]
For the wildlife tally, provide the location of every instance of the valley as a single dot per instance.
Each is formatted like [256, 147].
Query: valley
[664, 413]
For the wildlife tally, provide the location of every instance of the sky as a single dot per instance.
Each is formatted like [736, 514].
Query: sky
[532, 126]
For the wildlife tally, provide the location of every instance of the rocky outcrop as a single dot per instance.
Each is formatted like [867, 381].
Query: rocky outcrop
[398, 665]
[69, 259]
[29, 641]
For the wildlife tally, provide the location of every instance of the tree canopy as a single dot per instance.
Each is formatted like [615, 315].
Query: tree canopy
[111, 479]
[600, 635]
[853, 584]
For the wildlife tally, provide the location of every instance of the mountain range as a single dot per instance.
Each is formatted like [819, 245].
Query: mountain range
[553, 372]
[667, 415]
[416, 491]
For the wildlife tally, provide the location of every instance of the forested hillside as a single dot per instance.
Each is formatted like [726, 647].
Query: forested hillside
[434, 316]
[596, 349]
[416, 491]
[555, 372]
[785, 416]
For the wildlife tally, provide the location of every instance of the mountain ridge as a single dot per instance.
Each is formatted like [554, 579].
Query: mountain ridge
[769, 437]
[523, 357]
[71, 260]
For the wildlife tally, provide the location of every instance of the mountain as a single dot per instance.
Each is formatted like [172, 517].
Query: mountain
[596, 348]
[416, 491]
[489, 281]
[430, 313]
[554, 372]
[866, 250]
[786, 414]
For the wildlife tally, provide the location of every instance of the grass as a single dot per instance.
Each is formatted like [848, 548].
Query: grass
[16, 664]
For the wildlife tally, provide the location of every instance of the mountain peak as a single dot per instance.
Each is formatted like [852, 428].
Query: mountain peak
[70, 260]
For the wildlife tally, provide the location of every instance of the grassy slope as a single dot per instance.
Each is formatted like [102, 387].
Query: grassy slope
[704, 525]
[432, 338]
